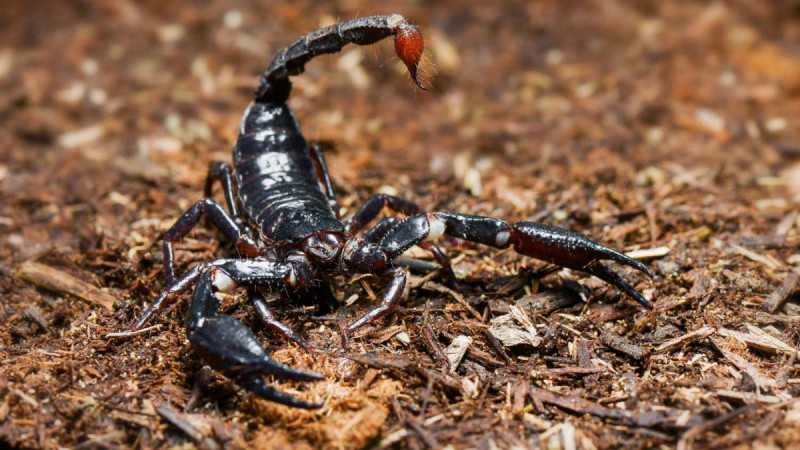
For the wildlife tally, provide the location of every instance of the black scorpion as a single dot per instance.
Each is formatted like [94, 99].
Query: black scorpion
[275, 194]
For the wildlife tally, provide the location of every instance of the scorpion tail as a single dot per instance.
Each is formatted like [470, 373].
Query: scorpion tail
[275, 85]
[409, 45]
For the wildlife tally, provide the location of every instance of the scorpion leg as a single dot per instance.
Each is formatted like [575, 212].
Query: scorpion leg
[220, 170]
[373, 206]
[170, 294]
[228, 346]
[219, 218]
[316, 152]
[541, 241]
[389, 299]
[269, 319]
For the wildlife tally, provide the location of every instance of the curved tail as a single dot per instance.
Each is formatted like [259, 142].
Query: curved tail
[275, 85]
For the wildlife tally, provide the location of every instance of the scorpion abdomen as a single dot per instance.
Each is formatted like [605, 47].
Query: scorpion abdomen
[278, 187]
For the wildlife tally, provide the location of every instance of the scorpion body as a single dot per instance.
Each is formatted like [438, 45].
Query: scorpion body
[287, 234]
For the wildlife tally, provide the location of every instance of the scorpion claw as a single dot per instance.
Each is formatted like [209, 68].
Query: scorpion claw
[259, 387]
[230, 347]
[605, 274]
[568, 249]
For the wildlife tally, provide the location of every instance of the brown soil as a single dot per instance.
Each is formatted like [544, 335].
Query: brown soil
[668, 126]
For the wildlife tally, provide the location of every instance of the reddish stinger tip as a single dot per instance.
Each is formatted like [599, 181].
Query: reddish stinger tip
[408, 44]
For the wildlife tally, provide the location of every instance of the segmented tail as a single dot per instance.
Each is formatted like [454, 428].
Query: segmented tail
[275, 85]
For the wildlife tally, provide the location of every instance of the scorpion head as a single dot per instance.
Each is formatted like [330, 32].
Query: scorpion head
[323, 248]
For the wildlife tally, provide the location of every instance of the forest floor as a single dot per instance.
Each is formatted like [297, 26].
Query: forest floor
[666, 129]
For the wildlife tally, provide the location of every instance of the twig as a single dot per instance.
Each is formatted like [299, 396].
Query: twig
[437, 353]
[429, 440]
[60, 281]
[127, 334]
[174, 418]
[688, 338]
[498, 347]
[568, 371]
[696, 430]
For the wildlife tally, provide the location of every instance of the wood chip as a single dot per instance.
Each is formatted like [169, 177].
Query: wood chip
[568, 372]
[456, 350]
[767, 260]
[747, 397]
[744, 365]
[779, 295]
[127, 334]
[81, 137]
[688, 338]
[506, 330]
[623, 345]
[59, 281]
[649, 253]
[572, 404]
[33, 313]
[180, 422]
[760, 339]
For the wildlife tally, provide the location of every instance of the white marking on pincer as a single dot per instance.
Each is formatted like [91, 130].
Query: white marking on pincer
[221, 281]
[501, 239]
[435, 228]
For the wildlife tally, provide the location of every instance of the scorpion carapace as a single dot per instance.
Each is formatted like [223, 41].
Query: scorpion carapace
[285, 228]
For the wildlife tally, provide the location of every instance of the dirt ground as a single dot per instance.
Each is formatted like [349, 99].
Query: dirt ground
[669, 129]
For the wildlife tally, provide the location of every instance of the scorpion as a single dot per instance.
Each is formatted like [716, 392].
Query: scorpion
[288, 235]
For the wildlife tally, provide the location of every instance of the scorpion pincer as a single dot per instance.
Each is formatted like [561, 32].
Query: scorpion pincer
[287, 234]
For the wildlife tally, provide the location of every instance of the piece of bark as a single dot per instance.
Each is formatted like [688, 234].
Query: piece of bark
[506, 330]
[623, 345]
[435, 348]
[60, 281]
[760, 339]
[649, 253]
[546, 301]
[178, 421]
[747, 397]
[498, 347]
[520, 394]
[743, 365]
[33, 313]
[572, 404]
[688, 338]
[570, 372]
[456, 350]
[779, 295]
